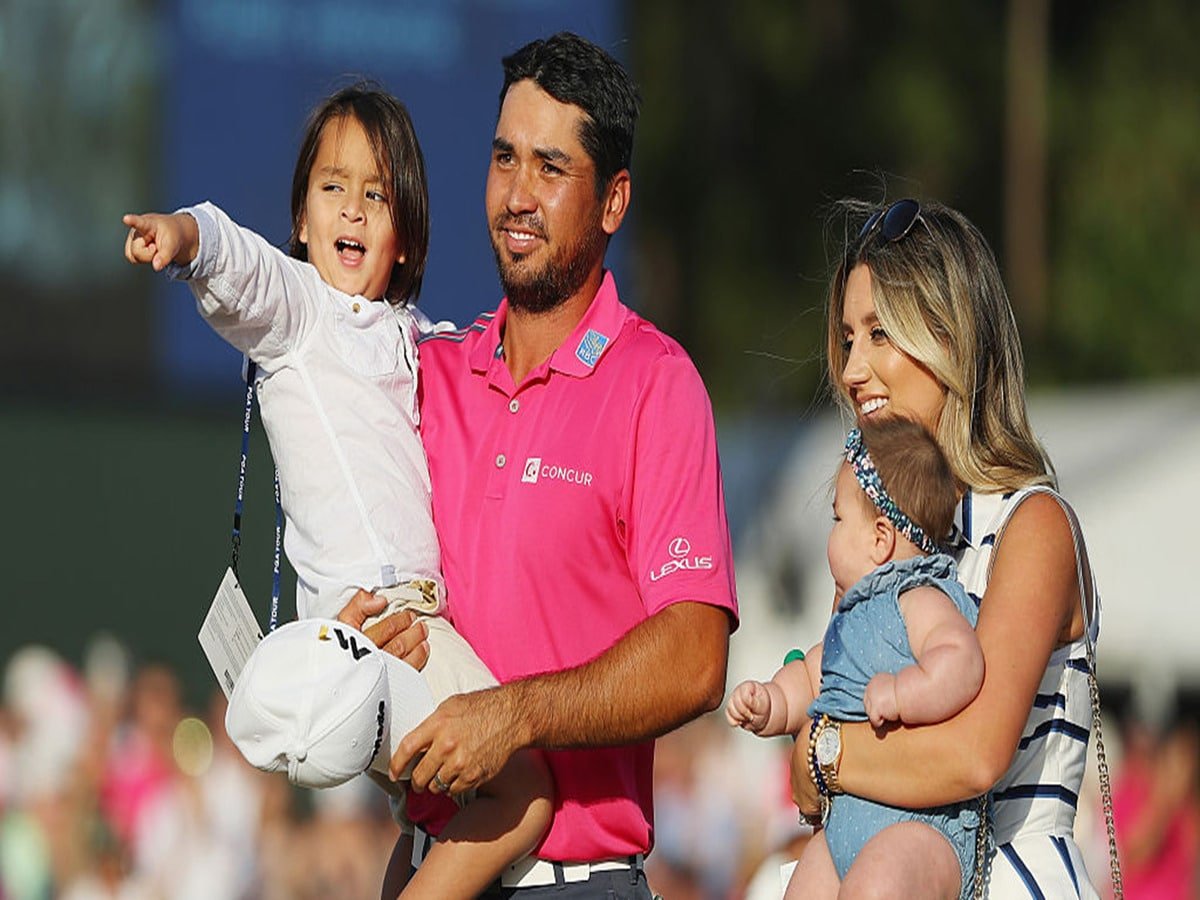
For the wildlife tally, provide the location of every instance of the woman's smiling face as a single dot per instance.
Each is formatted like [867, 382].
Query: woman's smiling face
[880, 378]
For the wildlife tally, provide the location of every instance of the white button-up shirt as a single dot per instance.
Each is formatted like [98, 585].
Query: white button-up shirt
[337, 385]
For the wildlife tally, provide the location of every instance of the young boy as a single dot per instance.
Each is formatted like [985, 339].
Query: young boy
[333, 334]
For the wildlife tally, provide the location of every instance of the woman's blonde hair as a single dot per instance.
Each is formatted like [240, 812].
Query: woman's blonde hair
[939, 296]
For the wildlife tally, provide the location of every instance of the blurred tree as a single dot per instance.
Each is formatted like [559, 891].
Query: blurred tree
[756, 116]
[1125, 248]
[1025, 162]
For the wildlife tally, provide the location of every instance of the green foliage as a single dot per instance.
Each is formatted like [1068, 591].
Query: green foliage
[1126, 276]
[757, 115]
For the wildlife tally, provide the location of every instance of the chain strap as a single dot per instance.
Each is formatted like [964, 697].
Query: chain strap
[983, 856]
[1114, 862]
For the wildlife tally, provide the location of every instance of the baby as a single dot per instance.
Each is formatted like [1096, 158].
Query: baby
[900, 647]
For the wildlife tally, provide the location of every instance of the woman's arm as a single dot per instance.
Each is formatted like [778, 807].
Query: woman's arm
[1030, 607]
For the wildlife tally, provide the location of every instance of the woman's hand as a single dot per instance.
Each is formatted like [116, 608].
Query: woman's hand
[401, 634]
[804, 792]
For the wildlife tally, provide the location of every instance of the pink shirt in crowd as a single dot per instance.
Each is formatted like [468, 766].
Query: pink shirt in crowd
[570, 508]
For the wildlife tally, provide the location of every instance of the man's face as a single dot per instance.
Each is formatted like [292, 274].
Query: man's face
[548, 228]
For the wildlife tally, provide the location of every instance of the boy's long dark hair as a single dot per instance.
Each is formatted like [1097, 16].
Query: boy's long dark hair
[574, 70]
[398, 156]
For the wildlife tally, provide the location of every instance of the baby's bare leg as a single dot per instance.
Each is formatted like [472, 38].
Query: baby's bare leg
[814, 875]
[887, 866]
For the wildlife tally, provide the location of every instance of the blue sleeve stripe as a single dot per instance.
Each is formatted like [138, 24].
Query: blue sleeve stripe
[1022, 870]
[1061, 846]
[1058, 726]
[1045, 700]
[1037, 792]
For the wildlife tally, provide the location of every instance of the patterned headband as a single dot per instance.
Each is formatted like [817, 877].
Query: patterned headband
[872, 485]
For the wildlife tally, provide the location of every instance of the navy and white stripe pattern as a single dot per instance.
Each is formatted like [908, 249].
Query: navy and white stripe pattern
[1034, 803]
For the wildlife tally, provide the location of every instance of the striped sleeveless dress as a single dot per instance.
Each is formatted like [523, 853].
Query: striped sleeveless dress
[1034, 803]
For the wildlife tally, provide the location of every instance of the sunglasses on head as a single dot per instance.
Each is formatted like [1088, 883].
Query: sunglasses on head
[893, 222]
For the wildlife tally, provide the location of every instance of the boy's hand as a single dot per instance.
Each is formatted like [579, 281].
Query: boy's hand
[401, 634]
[161, 239]
[749, 707]
[880, 699]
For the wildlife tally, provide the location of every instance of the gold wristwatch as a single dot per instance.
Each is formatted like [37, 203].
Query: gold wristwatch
[826, 754]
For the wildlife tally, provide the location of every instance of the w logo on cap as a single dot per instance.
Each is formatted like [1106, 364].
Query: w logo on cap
[351, 644]
[346, 643]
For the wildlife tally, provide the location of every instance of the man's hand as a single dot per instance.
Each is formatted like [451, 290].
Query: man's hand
[466, 742]
[749, 706]
[880, 699]
[401, 634]
[160, 239]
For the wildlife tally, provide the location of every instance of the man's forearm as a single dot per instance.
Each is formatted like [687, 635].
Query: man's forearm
[663, 673]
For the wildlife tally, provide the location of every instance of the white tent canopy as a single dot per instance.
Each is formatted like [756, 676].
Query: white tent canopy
[1128, 459]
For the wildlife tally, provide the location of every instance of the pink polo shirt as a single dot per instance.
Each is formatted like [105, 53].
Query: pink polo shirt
[569, 509]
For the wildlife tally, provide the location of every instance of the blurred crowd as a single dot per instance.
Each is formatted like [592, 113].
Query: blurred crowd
[111, 788]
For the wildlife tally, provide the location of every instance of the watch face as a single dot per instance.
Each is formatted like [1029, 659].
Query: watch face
[829, 745]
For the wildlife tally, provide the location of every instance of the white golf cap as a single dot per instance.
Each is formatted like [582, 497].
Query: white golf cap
[319, 701]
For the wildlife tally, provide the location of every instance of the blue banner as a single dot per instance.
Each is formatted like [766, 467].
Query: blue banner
[240, 76]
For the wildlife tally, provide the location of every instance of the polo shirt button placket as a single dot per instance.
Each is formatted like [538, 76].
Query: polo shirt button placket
[513, 405]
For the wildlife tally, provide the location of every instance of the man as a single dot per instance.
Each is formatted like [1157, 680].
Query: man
[576, 492]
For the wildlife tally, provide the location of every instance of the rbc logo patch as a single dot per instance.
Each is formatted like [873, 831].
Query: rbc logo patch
[591, 347]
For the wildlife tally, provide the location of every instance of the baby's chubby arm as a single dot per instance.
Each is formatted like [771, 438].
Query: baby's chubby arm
[778, 706]
[949, 668]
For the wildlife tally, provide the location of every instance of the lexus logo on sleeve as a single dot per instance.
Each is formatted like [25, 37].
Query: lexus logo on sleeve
[680, 551]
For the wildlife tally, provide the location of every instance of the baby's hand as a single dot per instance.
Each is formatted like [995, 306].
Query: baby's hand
[749, 706]
[161, 239]
[880, 699]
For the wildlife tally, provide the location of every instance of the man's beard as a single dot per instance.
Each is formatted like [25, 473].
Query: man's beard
[560, 276]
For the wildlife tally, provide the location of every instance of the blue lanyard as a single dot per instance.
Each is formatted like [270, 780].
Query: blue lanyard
[251, 368]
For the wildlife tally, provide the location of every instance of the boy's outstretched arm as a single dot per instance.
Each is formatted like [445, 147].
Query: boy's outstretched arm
[161, 239]
[949, 668]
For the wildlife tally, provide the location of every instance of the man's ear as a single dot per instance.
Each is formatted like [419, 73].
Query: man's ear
[883, 543]
[616, 202]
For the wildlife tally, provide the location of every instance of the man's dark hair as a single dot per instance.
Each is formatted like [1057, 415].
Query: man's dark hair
[397, 154]
[574, 70]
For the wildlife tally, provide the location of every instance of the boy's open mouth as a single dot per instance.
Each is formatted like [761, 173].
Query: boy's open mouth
[349, 250]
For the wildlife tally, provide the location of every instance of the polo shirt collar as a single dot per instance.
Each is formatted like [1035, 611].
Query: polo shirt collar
[488, 347]
[581, 352]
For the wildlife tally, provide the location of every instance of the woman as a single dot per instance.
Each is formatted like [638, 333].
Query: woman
[920, 326]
